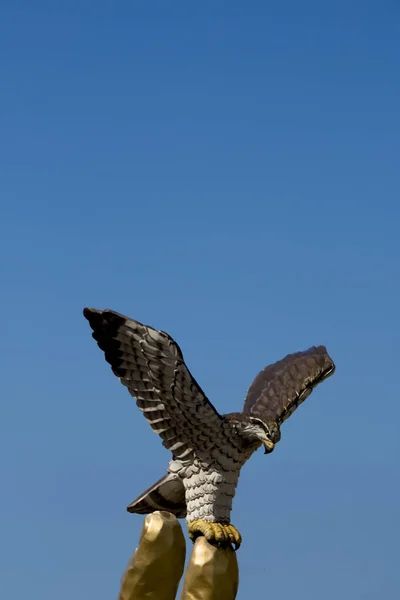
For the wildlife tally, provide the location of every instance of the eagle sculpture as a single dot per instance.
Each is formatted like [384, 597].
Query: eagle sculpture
[208, 449]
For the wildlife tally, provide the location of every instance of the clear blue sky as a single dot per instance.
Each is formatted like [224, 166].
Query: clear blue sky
[227, 172]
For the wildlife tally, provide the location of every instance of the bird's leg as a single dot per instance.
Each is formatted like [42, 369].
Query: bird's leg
[220, 534]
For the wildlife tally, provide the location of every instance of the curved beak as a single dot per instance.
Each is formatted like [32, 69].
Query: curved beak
[268, 445]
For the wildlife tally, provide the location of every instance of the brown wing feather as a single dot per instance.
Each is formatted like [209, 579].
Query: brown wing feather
[150, 364]
[281, 387]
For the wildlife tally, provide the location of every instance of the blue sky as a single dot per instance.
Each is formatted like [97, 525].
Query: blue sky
[227, 172]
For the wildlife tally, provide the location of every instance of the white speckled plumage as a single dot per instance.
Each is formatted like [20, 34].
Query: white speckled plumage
[210, 488]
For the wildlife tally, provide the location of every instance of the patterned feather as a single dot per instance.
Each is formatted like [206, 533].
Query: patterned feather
[150, 364]
[281, 387]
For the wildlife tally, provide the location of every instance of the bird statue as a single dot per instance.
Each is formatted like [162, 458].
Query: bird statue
[208, 449]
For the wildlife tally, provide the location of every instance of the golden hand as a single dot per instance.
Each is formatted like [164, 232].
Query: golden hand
[157, 565]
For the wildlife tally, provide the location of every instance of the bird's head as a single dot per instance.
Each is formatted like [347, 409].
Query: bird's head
[254, 430]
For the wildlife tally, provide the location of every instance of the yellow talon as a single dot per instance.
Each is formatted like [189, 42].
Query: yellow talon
[234, 533]
[220, 534]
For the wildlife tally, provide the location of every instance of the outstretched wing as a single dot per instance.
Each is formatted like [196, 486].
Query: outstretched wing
[280, 388]
[150, 364]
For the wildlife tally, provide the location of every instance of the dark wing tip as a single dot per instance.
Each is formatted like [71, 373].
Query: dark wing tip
[93, 315]
[98, 318]
[104, 324]
[328, 367]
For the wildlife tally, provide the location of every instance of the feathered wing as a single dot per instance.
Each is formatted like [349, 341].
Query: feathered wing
[150, 364]
[281, 387]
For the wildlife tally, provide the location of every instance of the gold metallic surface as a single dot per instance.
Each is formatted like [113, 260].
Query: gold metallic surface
[219, 533]
[212, 573]
[157, 564]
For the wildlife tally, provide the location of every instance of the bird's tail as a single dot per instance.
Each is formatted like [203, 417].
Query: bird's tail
[167, 494]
